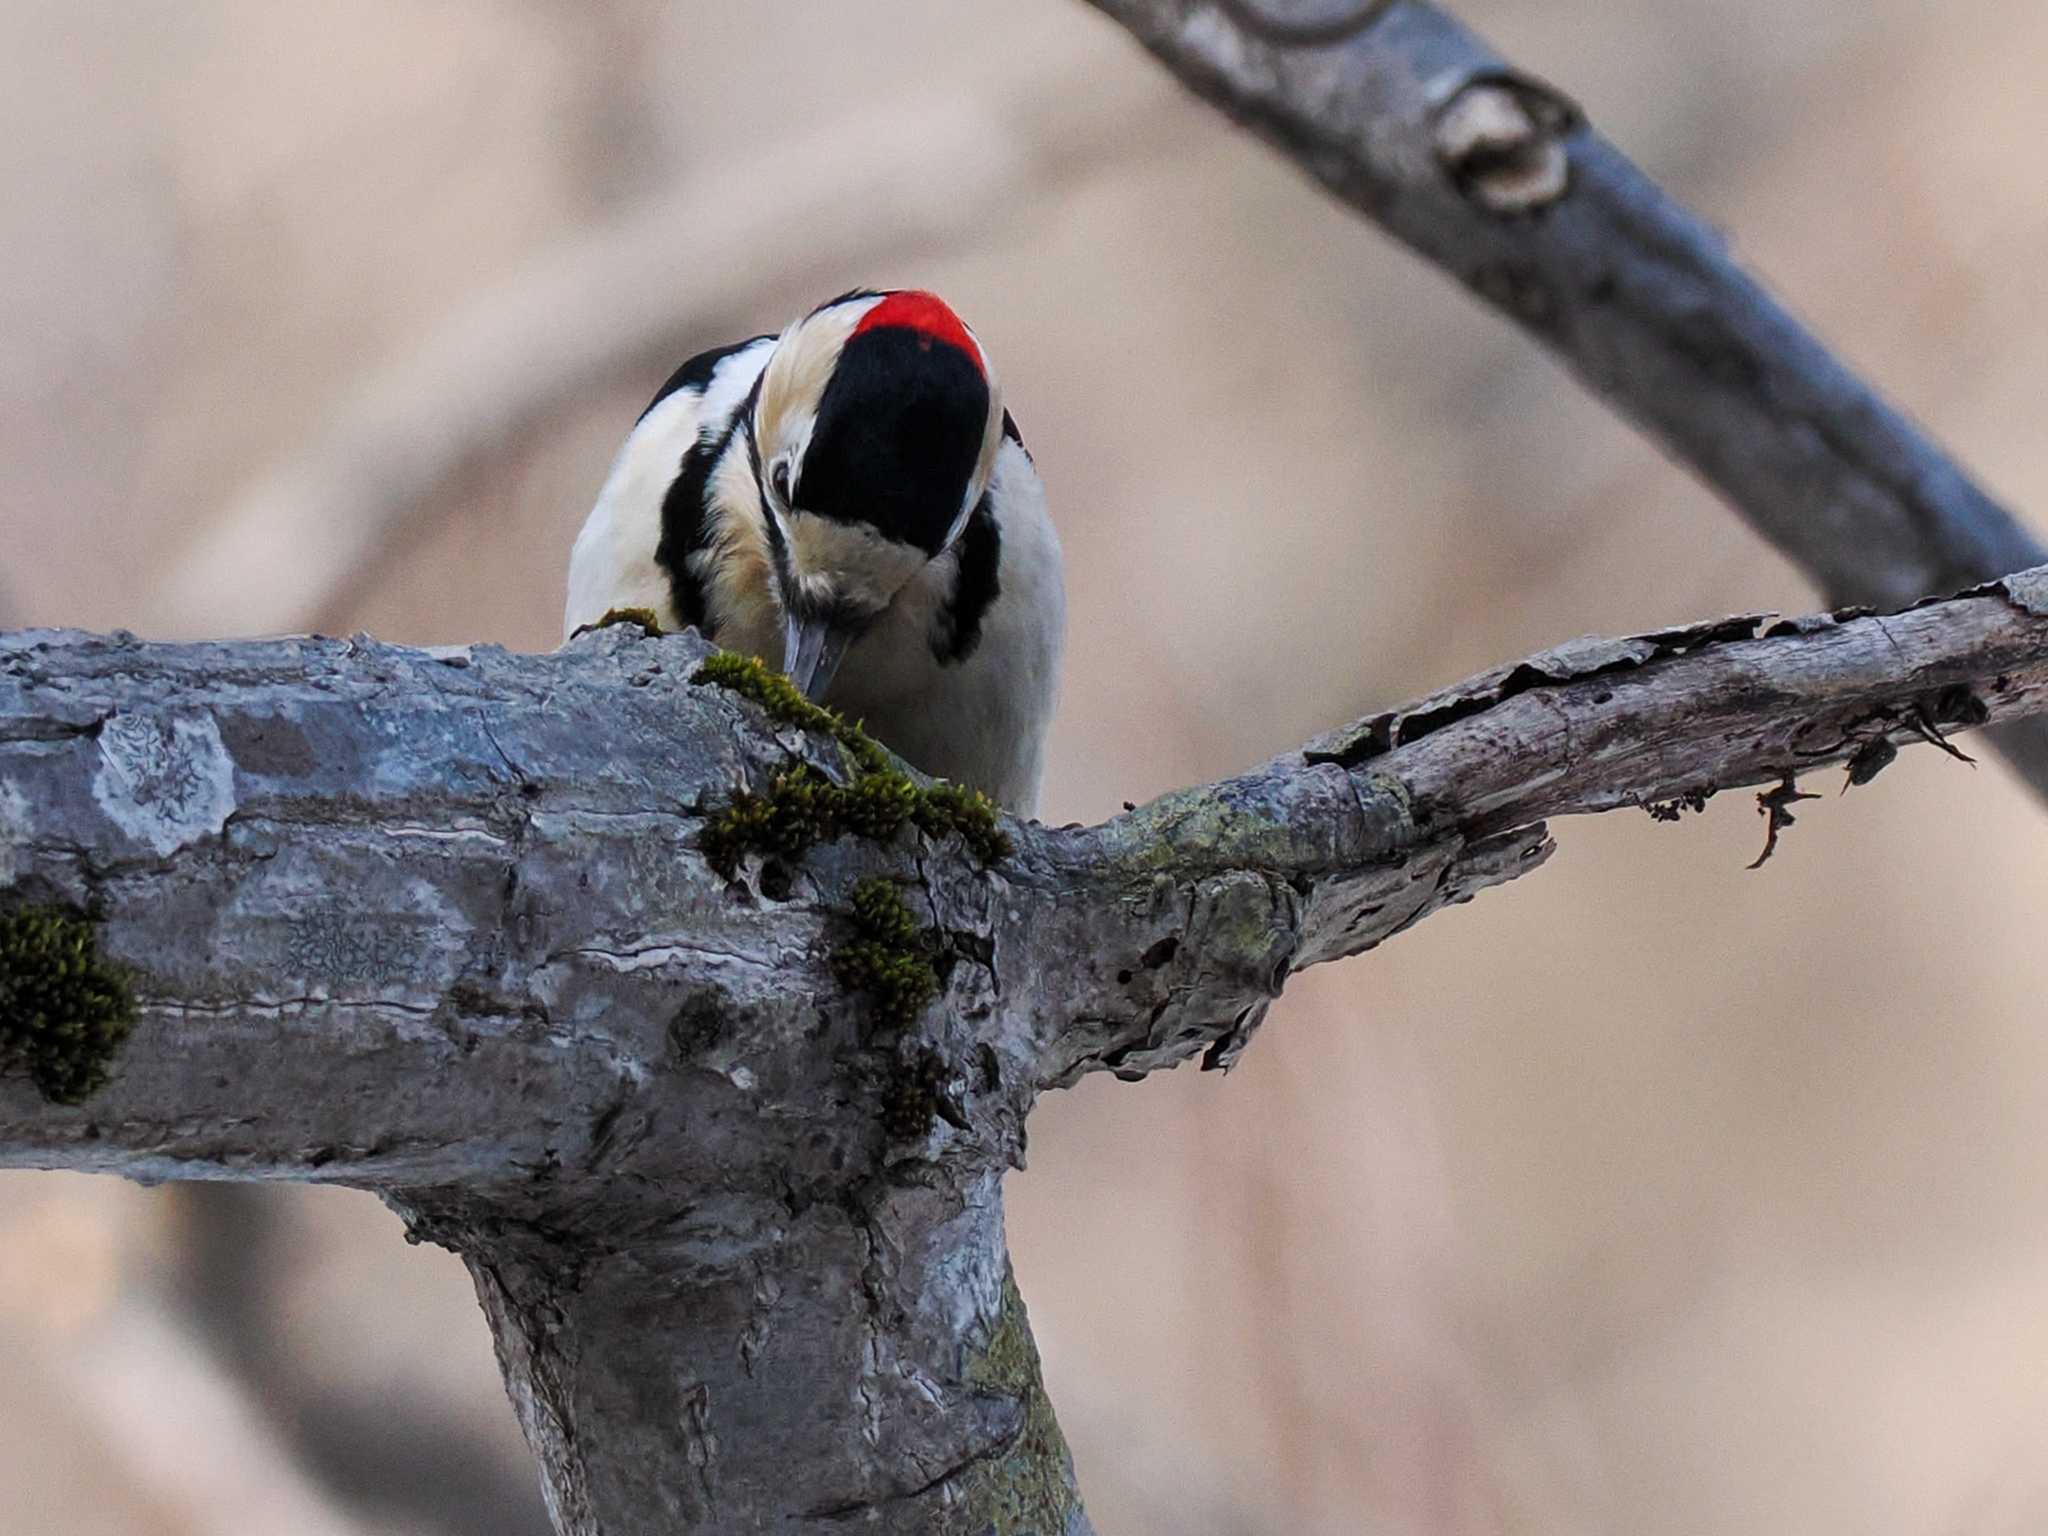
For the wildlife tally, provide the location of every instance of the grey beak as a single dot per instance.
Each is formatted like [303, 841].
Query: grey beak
[812, 648]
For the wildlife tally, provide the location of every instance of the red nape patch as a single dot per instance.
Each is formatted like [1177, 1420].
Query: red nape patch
[925, 313]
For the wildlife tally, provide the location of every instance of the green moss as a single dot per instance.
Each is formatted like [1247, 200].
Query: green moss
[967, 814]
[1027, 1490]
[644, 617]
[802, 806]
[889, 959]
[914, 1098]
[882, 915]
[752, 678]
[65, 1009]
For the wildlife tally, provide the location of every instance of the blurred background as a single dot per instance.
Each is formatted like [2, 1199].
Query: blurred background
[1647, 1194]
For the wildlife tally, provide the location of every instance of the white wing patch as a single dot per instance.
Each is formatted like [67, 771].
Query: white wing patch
[613, 565]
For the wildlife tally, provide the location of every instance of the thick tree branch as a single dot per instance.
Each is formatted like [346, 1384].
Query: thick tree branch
[1494, 177]
[442, 925]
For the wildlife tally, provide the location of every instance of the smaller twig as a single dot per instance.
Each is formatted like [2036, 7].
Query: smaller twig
[1924, 727]
[1776, 804]
[1871, 759]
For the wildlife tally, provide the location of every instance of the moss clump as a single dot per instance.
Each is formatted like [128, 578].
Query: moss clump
[915, 1098]
[646, 618]
[798, 808]
[1029, 1486]
[966, 813]
[890, 959]
[802, 806]
[752, 678]
[65, 1009]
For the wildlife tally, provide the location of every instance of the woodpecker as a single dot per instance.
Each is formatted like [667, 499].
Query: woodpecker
[850, 498]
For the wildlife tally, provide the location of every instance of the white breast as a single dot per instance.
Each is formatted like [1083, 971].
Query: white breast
[982, 721]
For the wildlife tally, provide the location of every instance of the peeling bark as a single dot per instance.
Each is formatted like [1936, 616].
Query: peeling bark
[438, 924]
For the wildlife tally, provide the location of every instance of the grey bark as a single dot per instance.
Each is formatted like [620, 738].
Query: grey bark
[436, 924]
[1495, 177]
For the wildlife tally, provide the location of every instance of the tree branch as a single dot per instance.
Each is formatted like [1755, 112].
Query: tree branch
[443, 925]
[1493, 176]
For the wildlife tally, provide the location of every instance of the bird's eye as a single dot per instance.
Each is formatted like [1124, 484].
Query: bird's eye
[778, 481]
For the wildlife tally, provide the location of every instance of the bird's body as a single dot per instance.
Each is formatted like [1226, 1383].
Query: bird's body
[850, 499]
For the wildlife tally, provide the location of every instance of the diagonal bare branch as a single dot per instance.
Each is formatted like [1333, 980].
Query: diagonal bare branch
[1494, 177]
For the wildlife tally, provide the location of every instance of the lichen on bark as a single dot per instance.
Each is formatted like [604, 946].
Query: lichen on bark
[1026, 1489]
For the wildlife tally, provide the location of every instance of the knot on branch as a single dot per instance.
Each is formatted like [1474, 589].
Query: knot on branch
[1500, 138]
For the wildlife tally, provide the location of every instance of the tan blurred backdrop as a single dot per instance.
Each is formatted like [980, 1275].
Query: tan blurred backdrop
[1647, 1195]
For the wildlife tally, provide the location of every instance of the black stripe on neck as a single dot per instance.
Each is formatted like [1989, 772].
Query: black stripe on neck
[976, 585]
[685, 520]
[688, 516]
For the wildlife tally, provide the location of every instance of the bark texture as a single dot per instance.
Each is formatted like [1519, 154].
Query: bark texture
[441, 925]
[1495, 177]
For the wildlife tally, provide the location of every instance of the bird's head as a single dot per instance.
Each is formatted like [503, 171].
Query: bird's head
[872, 438]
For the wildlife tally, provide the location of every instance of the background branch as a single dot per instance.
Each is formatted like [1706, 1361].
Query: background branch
[1493, 176]
[408, 1464]
[651, 285]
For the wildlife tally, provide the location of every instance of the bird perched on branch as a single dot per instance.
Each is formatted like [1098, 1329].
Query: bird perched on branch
[850, 498]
